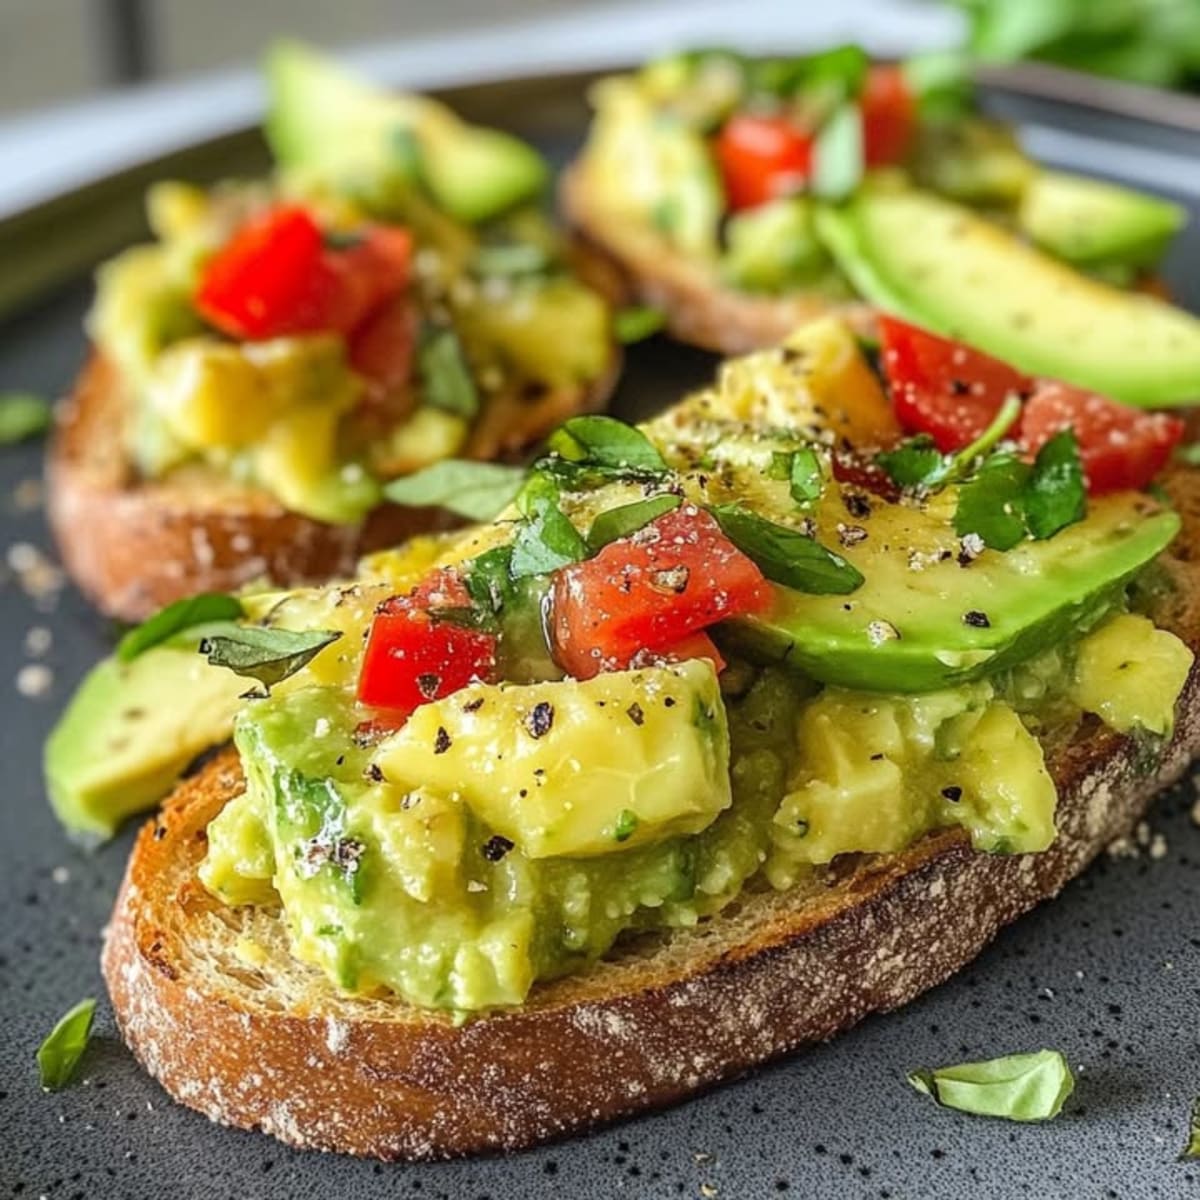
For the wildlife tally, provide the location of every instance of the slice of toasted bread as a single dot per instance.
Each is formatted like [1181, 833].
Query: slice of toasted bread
[133, 545]
[254, 1038]
[699, 308]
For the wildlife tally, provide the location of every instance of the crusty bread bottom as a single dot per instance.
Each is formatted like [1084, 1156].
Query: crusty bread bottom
[699, 309]
[274, 1046]
[134, 545]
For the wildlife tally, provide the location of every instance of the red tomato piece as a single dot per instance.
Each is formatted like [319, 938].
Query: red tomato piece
[649, 591]
[889, 115]
[941, 387]
[412, 658]
[695, 645]
[381, 348]
[1120, 447]
[762, 158]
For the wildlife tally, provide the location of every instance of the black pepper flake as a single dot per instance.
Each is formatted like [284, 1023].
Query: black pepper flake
[953, 793]
[668, 702]
[495, 848]
[959, 387]
[635, 714]
[374, 772]
[160, 832]
[539, 719]
[428, 684]
[340, 761]
[877, 757]
[441, 740]
[857, 505]
[976, 619]
[473, 705]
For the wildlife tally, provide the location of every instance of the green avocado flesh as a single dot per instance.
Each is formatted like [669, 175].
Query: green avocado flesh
[939, 265]
[907, 628]
[129, 732]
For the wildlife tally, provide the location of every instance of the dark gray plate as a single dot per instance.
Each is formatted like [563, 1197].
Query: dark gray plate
[1108, 973]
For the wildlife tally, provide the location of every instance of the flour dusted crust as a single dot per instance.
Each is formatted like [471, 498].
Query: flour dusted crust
[273, 1045]
[134, 545]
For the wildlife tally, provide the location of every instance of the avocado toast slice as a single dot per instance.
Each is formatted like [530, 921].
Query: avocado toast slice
[545, 834]
[391, 297]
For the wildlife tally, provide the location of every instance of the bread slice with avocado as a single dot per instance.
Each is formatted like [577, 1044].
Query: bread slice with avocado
[213, 1003]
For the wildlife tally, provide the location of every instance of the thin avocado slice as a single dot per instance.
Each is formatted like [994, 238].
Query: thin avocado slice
[1088, 221]
[129, 732]
[922, 621]
[941, 266]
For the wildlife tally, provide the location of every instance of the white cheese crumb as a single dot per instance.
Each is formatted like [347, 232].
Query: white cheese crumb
[34, 680]
[473, 885]
[321, 727]
[60, 875]
[879, 632]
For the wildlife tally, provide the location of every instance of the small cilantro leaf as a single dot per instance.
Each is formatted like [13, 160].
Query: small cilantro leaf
[475, 490]
[628, 518]
[176, 618]
[992, 505]
[785, 555]
[1055, 495]
[805, 479]
[488, 578]
[912, 462]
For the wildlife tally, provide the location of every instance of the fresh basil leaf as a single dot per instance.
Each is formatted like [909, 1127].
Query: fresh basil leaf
[838, 153]
[912, 462]
[1055, 495]
[1018, 1087]
[541, 487]
[805, 479]
[636, 323]
[59, 1054]
[991, 504]
[446, 379]
[628, 518]
[1192, 1149]
[785, 555]
[488, 578]
[512, 258]
[268, 655]
[475, 490]
[23, 415]
[175, 618]
[838, 72]
[941, 83]
[545, 542]
[607, 442]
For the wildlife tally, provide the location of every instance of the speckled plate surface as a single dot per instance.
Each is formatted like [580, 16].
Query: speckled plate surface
[1109, 973]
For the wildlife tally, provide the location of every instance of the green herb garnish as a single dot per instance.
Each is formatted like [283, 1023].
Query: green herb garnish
[545, 541]
[607, 443]
[23, 415]
[912, 462]
[838, 153]
[637, 322]
[627, 823]
[446, 379]
[59, 1054]
[176, 618]
[268, 655]
[1018, 1087]
[805, 478]
[786, 555]
[1192, 1148]
[488, 578]
[628, 518]
[475, 490]
[511, 259]
[1056, 495]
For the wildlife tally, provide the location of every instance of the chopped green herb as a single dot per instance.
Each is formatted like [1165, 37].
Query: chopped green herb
[636, 323]
[941, 83]
[990, 504]
[912, 462]
[1192, 1148]
[545, 541]
[488, 578]
[512, 258]
[838, 153]
[446, 378]
[628, 518]
[59, 1054]
[805, 479]
[176, 618]
[23, 415]
[609, 443]
[1056, 495]
[627, 823]
[268, 655]
[475, 490]
[1018, 1087]
[785, 555]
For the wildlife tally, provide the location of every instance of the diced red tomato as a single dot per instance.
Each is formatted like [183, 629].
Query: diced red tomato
[1120, 447]
[649, 591]
[412, 657]
[381, 349]
[762, 158]
[941, 387]
[889, 115]
[695, 645]
[277, 277]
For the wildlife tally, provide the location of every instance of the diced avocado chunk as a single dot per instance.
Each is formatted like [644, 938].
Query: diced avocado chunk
[907, 628]
[774, 247]
[655, 745]
[941, 266]
[1130, 674]
[376, 144]
[873, 773]
[129, 731]
[1089, 222]
[971, 160]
